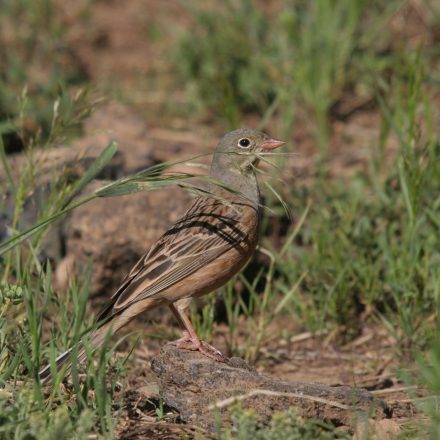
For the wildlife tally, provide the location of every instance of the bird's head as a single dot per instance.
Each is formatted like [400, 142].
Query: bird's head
[241, 149]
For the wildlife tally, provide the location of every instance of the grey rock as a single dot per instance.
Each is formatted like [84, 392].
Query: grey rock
[197, 387]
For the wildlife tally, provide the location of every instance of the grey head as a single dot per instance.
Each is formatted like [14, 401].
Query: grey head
[239, 150]
[237, 155]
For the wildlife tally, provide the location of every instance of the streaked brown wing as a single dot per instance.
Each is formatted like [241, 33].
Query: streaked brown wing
[207, 230]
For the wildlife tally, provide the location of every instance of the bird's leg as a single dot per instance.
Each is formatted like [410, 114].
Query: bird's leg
[190, 340]
[185, 335]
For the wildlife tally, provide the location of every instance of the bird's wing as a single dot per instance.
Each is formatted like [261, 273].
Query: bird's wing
[207, 230]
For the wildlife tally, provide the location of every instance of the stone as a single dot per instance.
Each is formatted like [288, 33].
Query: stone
[197, 387]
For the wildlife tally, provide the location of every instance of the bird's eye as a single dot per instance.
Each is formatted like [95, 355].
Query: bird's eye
[244, 143]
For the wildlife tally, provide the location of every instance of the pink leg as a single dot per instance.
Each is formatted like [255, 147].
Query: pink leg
[185, 335]
[190, 340]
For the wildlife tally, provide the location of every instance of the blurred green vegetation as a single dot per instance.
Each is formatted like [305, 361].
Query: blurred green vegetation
[364, 247]
[371, 243]
[238, 59]
[37, 70]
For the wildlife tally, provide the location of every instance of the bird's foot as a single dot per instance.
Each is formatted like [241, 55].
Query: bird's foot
[184, 339]
[186, 343]
[211, 352]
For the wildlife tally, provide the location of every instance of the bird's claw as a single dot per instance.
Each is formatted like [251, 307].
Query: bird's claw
[186, 343]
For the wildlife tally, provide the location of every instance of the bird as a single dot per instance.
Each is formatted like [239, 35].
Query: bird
[201, 252]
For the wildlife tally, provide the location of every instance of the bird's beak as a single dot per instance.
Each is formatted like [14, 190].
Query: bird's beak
[271, 144]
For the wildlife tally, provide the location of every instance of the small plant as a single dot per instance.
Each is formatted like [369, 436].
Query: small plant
[204, 320]
[428, 376]
[37, 66]
[284, 425]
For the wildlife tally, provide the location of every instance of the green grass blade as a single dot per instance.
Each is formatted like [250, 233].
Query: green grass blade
[100, 162]
[19, 238]
[298, 226]
[280, 199]
[5, 162]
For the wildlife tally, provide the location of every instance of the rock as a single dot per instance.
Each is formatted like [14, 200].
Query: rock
[116, 122]
[197, 387]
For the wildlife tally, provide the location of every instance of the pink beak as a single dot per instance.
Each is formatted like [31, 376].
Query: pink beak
[271, 144]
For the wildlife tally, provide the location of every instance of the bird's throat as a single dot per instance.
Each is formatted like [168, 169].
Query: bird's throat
[242, 181]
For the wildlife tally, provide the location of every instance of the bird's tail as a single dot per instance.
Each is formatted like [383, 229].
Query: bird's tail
[96, 340]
